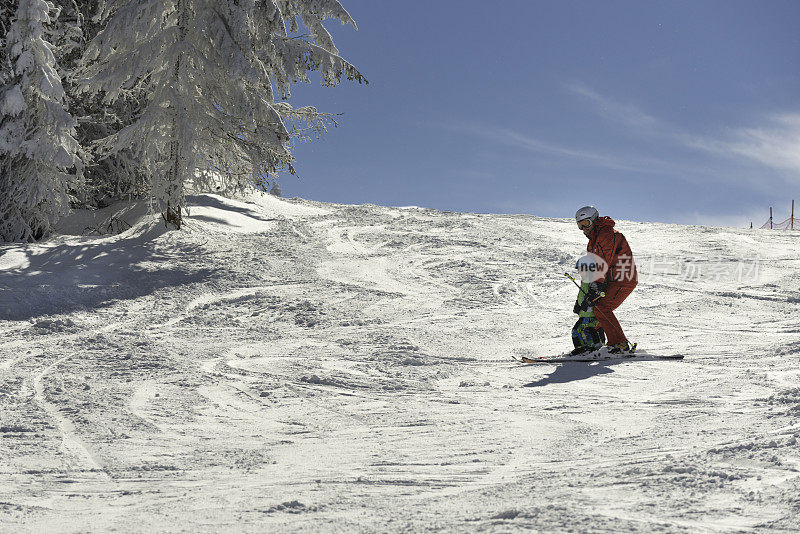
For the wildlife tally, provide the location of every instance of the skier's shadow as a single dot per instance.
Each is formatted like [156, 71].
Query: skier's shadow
[572, 371]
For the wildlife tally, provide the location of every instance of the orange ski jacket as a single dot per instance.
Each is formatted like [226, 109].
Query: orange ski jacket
[612, 246]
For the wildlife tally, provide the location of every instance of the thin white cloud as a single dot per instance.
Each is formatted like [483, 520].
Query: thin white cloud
[625, 113]
[731, 156]
[620, 160]
[569, 156]
[534, 144]
[775, 145]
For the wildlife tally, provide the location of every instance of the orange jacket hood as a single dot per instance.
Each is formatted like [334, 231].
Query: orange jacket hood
[604, 222]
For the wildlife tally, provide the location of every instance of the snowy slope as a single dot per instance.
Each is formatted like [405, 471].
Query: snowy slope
[294, 366]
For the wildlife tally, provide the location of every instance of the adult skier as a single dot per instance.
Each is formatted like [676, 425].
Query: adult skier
[619, 279]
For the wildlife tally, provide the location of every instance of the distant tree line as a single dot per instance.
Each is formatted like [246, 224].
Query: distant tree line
[102, 100]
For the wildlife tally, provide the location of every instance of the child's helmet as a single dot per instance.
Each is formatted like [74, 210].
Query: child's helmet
[591, 267]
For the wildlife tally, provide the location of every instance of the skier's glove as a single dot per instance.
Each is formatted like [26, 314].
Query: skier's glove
[581, 305]
[596, 291]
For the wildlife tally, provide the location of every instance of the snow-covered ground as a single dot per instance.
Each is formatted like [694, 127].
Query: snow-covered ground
[292, 366]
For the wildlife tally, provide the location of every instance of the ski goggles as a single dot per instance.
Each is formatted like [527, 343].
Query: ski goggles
[584, 224]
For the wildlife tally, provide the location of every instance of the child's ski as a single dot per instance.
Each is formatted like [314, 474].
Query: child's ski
[598, 357]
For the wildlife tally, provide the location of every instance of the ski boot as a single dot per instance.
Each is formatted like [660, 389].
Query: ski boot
[586, 349]
[621, 348]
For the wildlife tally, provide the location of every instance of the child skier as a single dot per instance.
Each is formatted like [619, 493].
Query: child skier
[587, 335]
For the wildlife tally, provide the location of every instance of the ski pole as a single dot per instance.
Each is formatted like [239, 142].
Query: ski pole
[602, 293]
[573, 281]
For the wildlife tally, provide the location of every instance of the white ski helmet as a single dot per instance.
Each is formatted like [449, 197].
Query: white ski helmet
[586, 213]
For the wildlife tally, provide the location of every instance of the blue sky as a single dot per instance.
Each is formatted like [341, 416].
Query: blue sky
[671, 111]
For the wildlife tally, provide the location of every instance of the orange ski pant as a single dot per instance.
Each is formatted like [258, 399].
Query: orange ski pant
[616, 293]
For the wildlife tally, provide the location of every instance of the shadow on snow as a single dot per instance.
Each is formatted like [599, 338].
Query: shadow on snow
[573, 371]
[73, 276]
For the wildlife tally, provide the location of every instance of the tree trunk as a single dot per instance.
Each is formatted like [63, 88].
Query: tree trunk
[175, 179]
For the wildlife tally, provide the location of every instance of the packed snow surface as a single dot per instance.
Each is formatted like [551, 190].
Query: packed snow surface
[291, 366]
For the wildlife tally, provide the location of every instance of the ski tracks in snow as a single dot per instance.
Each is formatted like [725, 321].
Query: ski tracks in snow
[345, 368]
[78, 454]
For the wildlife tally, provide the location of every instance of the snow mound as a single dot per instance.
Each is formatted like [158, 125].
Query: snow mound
[252, 214]
[291, 209]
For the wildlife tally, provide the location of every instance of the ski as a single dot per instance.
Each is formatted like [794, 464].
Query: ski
[631, 357]
[599, 356]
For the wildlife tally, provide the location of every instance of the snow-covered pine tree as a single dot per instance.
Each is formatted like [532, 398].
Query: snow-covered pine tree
[208, 69]
[40, 158]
